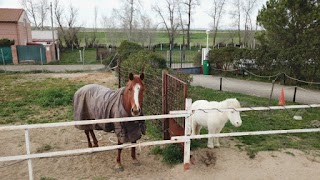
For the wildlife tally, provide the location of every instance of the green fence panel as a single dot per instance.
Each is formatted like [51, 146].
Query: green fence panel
[36, 53]
[5, 55]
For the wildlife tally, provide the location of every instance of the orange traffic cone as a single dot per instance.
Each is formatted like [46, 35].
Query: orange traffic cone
[281, 99]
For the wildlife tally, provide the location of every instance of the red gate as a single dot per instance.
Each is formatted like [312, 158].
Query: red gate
[174, 93]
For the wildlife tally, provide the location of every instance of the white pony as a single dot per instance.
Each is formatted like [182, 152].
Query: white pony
[214, 121]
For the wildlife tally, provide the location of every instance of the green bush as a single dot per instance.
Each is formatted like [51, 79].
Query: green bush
[197, 59]
[126, 48]
[223, 57]
[6, 42]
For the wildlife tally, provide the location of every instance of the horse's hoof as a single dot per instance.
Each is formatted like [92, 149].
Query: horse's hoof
[210, 146]
[118, 168]
[136, 163]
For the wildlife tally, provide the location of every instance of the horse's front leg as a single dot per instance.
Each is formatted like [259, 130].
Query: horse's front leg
[95, 141]
[88, 138]
[119, 166]
[133, 155]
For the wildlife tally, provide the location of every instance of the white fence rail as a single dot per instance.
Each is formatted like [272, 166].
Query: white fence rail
[176, 139]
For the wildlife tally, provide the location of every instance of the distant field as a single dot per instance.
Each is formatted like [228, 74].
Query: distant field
[197, 37]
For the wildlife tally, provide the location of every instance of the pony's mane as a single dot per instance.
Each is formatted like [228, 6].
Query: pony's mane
[228, 103]
[231, 103]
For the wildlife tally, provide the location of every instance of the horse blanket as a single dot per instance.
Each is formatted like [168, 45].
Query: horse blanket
[94, 101]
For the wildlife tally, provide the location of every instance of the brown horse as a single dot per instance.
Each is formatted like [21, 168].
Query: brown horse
[98, 102]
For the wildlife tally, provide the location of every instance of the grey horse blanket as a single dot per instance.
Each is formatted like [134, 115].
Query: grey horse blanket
[94, 101]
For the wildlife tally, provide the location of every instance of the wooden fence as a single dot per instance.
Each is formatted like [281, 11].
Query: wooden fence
[186, 138]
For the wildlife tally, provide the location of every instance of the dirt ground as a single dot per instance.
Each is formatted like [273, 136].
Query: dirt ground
[226, 162]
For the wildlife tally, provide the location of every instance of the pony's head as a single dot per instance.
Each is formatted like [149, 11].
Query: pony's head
[133, 95]
[234, 116]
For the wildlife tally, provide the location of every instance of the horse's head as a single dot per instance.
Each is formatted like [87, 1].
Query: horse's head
[134, 93]
[234, 116]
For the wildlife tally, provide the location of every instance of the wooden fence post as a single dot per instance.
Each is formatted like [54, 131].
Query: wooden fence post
[27, 139]
[187, 132]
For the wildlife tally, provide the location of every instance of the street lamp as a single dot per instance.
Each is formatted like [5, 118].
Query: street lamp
[205, 57]
[207, 32]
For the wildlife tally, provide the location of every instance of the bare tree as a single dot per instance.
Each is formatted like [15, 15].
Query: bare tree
[147, 31]
[170, 19]
[248, 7]
[127, 15]
[68, 31]
[91, 38]
[216, 14]
[190, 4]
[43, 8]
[236, 16]
[110, 24]
[183, 33]
[31, 9]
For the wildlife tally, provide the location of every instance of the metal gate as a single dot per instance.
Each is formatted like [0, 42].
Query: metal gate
[5, 55]
[162, 99]
[174, 94]
[36, 53]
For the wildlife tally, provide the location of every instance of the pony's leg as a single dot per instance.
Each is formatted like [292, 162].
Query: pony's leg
[194, 128]
[133, 155]
[210, 139]
[95, 141]
[88, 138]
[119, 166]
[216, 140]
[198, 129]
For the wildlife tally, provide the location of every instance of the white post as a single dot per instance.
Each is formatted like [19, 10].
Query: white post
[4, 63]
[80, 55]
[187, 132]
[27, 139]
[83, 55]
[41, 59]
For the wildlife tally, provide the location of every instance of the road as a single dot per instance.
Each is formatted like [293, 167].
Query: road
[52, 68]
[260, 89]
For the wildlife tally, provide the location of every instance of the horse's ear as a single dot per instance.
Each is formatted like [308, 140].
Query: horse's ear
[131, 76]
[142, 76]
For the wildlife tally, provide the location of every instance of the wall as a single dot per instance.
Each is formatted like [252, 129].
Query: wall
[9, 30]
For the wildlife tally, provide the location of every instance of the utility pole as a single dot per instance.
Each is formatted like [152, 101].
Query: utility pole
[53, 41]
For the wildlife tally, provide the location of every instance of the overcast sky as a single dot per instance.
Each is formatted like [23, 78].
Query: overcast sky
[201, 19]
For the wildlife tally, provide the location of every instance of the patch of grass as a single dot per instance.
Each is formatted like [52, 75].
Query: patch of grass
[171, 154]
[55, 97]
[47, 178]
[153, 130]
[290, 153]
[69, 56]
[26, 100]
[44, 148]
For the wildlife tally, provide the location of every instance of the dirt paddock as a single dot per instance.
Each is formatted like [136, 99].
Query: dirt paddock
[226, 162]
